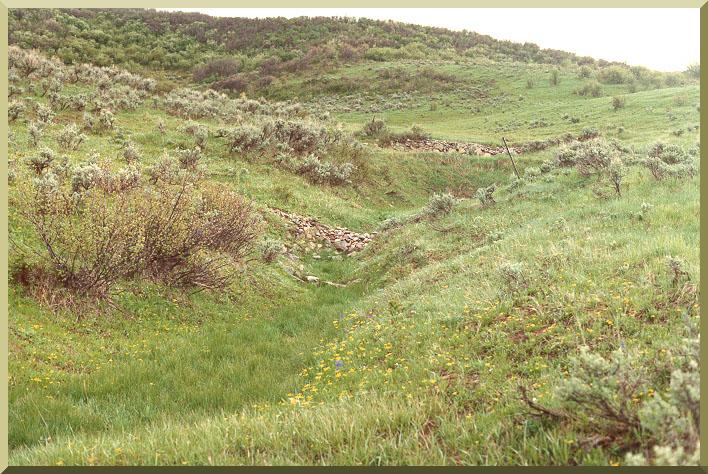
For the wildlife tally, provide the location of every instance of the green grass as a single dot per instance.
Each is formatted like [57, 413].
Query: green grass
[432, 344]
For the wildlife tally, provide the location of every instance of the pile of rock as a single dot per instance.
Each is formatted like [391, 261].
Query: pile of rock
[443, 146]
[308, 228]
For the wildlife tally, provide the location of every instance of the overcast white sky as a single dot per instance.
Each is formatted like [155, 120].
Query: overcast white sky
[665, 39]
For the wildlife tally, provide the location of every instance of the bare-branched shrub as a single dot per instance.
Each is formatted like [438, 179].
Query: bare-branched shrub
[101, 226]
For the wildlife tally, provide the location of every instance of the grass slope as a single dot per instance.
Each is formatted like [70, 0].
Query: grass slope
[418, 360]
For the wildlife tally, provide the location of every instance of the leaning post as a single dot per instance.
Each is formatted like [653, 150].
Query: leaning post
[510, 157]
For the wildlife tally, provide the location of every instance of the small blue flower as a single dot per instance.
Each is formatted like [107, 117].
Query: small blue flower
[338, 364]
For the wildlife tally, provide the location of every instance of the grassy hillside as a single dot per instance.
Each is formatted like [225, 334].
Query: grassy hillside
[457, 336]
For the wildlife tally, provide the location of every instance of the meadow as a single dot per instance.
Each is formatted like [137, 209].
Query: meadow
[546, 319]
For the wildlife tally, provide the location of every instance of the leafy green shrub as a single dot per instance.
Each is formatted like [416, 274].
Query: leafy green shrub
[677, 269]
[106, 119]
[244, 139]
[439, 205]
[554, 77]
[486, 195]
[299, 138]
[415, 134]
[516, 183]
[392, 223]
[588, 133]
[514, 276]
[602, 392]
[200, 138]
[49, 85]
[618, 102]
[189, 158]
[615, 75]
[584, 72]
[607, 394]
[131, 154]
[532, 172]
[644, 210]
[374, 128]
[85, 176]
[41, 161]
[591, 88]
[547, 166]
[270, 249]
[673, 80]
[199, 132]
[588, 156]
[70, 138]
[595, 158]
[13, 91]
[14, 110]
[694, 71]
[616, 171]
[35, 131]
[324, 172]
[11, 175]
[538, 123]
[44, 114]
[670, 161]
